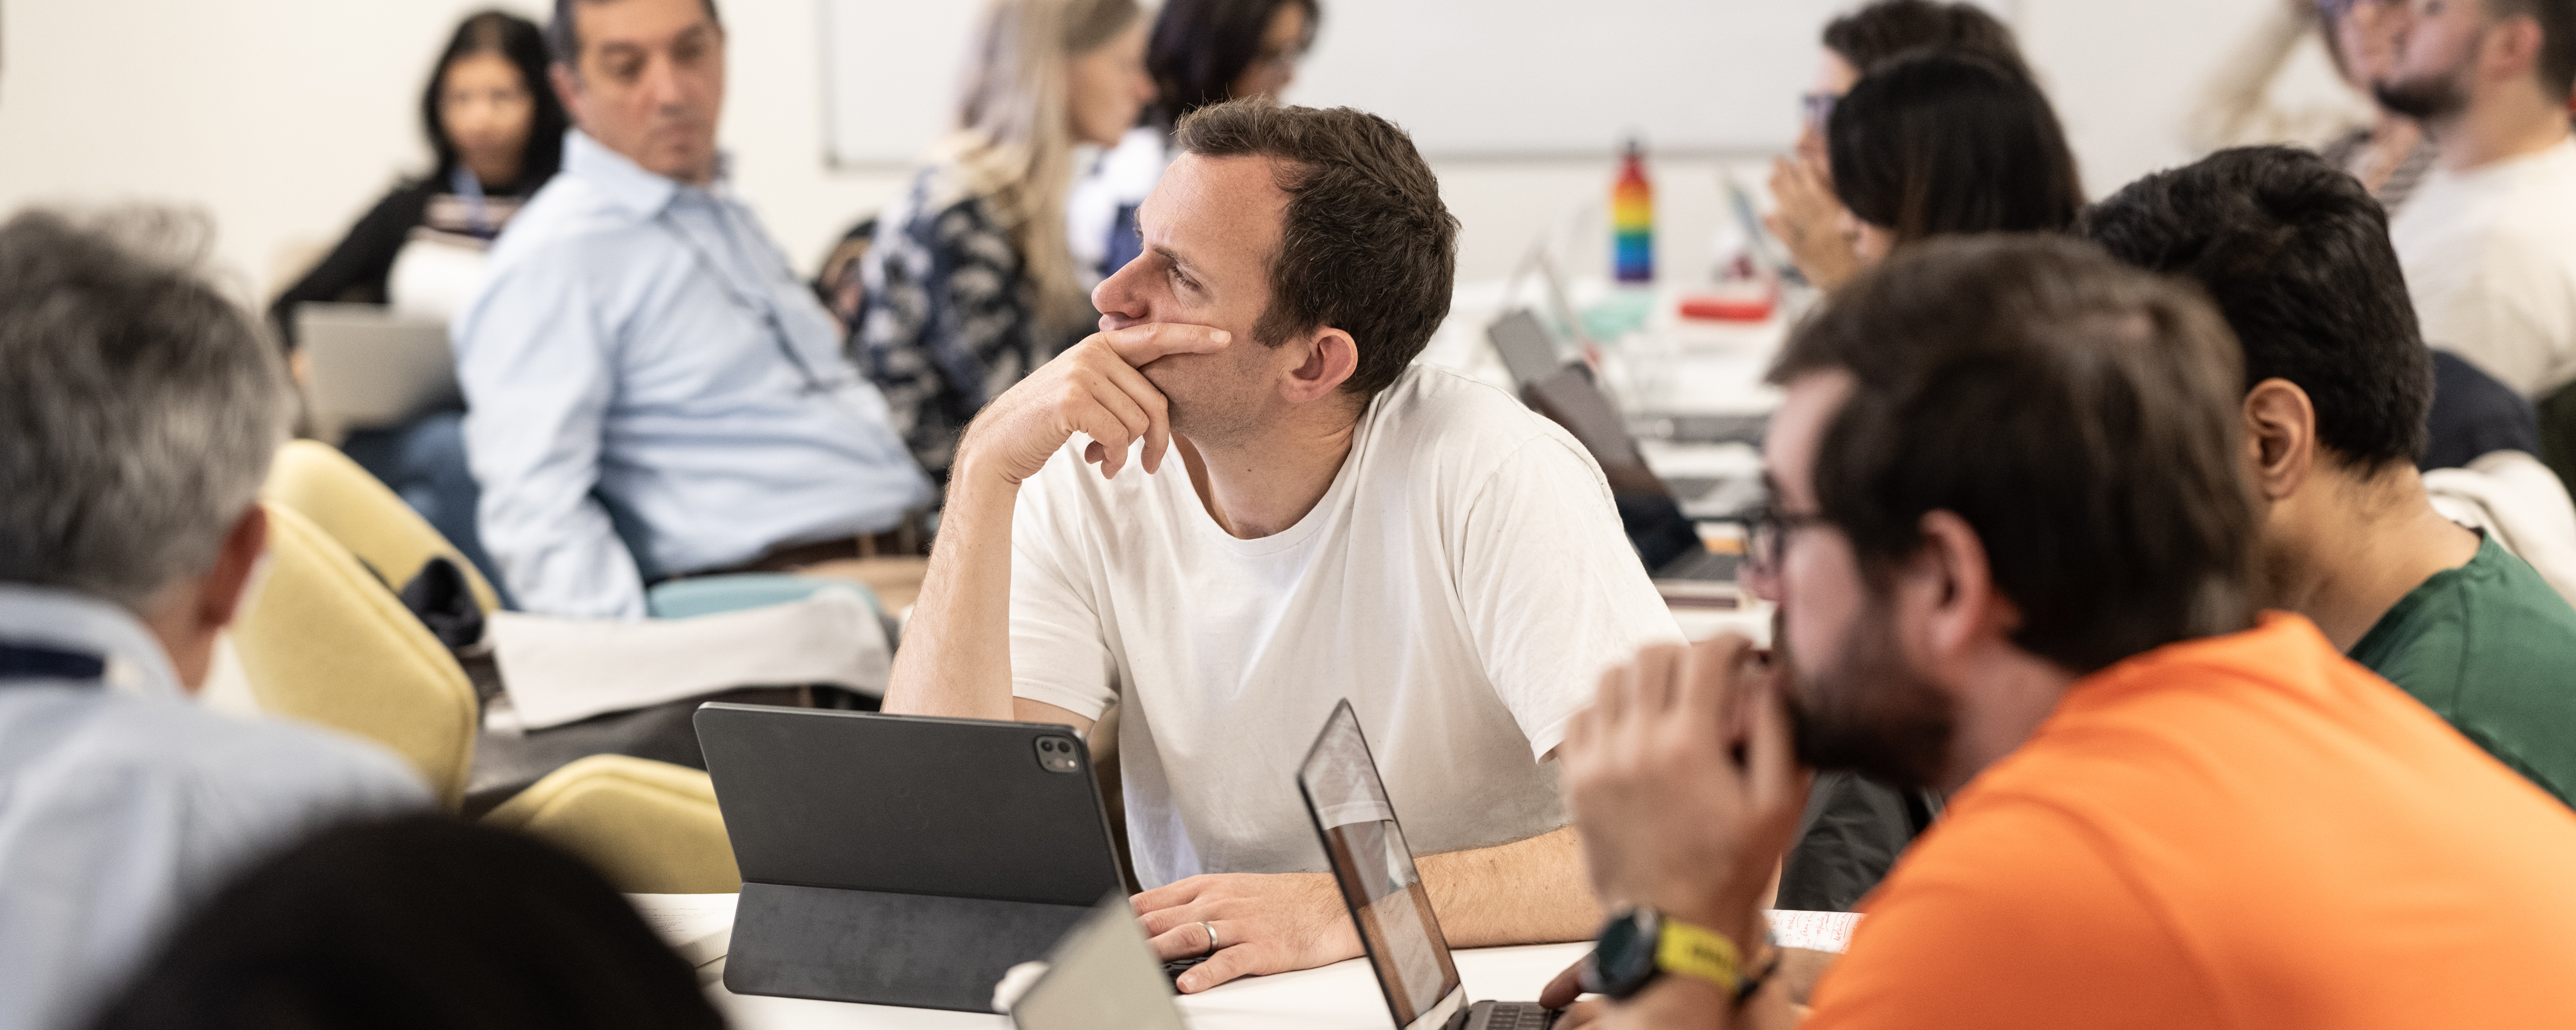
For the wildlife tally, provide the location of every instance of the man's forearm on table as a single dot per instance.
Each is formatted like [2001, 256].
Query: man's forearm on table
[956, 656]
[1527, 892]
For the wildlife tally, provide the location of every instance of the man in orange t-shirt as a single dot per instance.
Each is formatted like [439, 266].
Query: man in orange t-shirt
[2011, 549]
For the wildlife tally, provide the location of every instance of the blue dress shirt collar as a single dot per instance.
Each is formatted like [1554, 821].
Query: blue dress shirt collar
[629, 185]
[69, 621]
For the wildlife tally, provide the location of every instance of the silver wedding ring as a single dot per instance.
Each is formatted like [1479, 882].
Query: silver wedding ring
[1211, 932]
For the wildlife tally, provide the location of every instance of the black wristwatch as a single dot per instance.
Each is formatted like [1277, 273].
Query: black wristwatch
[1623, 960]
[1640, 945]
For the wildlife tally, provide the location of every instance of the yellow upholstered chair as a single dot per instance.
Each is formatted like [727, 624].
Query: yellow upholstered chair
[650, 827]
[326, 643]
[364, 515]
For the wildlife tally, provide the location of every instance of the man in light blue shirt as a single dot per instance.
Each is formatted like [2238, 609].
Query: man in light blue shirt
[652, 390]
[138, 413]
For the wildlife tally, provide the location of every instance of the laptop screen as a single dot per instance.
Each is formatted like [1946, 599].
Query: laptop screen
[1102, 976]
[1375, 867]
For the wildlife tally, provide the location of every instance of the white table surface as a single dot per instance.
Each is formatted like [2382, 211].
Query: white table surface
[1670, 365]
[1344, 995]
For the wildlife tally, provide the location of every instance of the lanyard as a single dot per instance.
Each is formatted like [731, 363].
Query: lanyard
[469, 189]
[25, 662]
[766, 310]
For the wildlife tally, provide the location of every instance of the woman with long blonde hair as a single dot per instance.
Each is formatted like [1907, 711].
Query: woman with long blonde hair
[970, 283]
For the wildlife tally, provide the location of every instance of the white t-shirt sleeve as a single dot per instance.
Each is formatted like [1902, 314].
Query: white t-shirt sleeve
[1553, 591]
[1058, 652]
[2507, 308]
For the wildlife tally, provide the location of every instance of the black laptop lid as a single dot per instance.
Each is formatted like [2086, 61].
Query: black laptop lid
[950, 807]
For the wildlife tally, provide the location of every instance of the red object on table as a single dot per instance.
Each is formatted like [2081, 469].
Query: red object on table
[1730, 309]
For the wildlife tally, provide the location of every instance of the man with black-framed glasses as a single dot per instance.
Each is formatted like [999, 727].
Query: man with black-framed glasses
[653, 391]
[2016, 562]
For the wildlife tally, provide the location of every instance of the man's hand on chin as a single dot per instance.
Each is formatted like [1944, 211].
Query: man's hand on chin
[1093, 388]
[1270, 923]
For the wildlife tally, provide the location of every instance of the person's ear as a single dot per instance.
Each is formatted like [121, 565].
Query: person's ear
[226, 584]
[2509, 51]
[1331, 356]
[1947, 594]
[567, 88]
[2280, 438]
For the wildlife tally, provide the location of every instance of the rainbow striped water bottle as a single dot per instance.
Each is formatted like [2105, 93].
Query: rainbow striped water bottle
[1632, 219]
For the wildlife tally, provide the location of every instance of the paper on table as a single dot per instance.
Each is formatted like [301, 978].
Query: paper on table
[562, 670]
[698, 926]
[1814, 931]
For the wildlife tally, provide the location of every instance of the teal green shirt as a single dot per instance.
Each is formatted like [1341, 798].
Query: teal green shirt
[2492, 649]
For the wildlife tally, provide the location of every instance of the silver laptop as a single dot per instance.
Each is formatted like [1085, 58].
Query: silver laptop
[1349, 805]
[1102, 976]
[368, 368]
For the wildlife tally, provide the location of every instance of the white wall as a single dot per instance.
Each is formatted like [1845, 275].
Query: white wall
[286, 118]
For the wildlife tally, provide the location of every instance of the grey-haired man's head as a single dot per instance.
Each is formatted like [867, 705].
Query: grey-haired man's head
[139, 409]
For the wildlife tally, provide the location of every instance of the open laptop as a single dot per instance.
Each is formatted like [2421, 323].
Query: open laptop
[1366, 846]
[1101, 976]
[902, 860]
[368, 368]
[1565, 392]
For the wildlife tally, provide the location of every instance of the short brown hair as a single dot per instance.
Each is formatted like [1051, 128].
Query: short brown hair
[1366, 245]
[2080, 414]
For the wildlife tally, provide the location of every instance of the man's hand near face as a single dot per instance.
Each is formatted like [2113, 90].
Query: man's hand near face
[1809, 222]
[1093, 388]
[956, 655]
[1682, 784]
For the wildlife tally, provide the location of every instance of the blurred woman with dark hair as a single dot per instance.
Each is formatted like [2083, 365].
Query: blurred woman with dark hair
[1938, 144]
[497, 132]
[422, 923]
[1808, 220]
[1203, 52]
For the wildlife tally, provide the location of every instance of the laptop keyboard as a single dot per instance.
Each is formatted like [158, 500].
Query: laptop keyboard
[1517, 1016]
[1173, 969]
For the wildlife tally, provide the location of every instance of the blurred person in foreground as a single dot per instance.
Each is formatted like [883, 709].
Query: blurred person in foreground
[652, 391]
[139, 409]
[423, 923]
[2013, 547]
[1930, 143]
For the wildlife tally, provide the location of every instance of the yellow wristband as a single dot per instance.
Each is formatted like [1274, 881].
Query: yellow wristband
[1703, 954]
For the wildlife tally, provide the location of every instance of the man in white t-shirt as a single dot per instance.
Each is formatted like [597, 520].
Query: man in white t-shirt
[1335, 523]
[2489, 241]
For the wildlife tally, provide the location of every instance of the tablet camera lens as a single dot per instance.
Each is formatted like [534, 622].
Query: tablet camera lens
[1055, 754]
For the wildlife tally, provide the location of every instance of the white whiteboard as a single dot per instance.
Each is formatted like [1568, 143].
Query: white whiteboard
[1469, 78]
